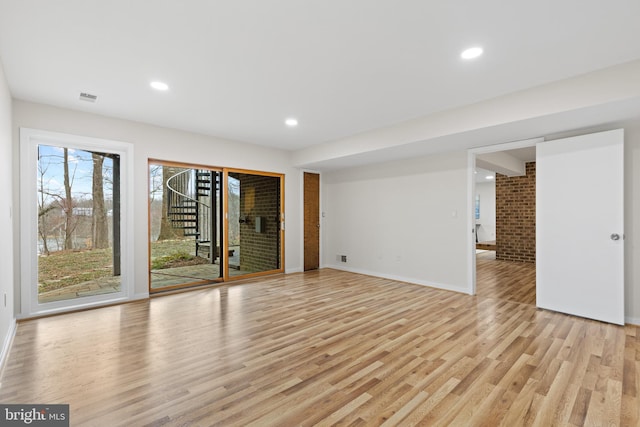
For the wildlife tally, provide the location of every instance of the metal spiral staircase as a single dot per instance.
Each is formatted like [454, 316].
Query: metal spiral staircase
[192, 206]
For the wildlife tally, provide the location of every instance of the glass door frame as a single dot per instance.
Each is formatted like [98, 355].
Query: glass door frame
[30, 139]
[281, 227]
[187, 283]
[224, 238]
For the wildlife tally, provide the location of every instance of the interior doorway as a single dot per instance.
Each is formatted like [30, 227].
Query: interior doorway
[504, 221]
[578, 253]
[485, 210]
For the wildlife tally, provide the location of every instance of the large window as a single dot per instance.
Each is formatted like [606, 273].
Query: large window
[73, 221]
[78, 245]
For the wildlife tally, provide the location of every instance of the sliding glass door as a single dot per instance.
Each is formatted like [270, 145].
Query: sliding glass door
[255, 232]
[185, 227]
[202, 231]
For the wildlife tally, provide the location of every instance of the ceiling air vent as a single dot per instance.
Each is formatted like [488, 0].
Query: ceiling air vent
[88, 97]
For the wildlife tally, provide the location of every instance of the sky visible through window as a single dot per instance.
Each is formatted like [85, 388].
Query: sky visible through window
[51, 173]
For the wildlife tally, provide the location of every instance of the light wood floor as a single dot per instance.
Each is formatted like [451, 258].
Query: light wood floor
[330, 347]
[512, 281]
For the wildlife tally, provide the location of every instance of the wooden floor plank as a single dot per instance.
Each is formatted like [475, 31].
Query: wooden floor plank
[332, 348]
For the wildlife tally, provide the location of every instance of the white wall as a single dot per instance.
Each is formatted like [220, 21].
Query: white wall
[632, 222]
[374, 217]
[164, 144]
[7, 321]
[487, 221]
[404, 220]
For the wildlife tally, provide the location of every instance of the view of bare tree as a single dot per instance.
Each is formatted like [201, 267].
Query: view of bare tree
[100, 229]
[68, 202]
[71, 213]
[43, 207]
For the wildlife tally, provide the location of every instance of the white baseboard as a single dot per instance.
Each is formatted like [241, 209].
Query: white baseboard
[293, 270]
[429, 283]
[632, 321]
[86, 306]
[6, 345]
[143, 295]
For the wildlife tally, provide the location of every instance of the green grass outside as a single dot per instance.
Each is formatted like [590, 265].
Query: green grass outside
[66, 268]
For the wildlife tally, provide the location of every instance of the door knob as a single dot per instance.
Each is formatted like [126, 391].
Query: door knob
[615, 236]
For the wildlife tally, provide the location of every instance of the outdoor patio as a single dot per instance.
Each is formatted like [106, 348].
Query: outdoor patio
[179, 275]
[105, 285]
[159, 279]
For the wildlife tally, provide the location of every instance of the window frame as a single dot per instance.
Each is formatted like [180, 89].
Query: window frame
[30, 139]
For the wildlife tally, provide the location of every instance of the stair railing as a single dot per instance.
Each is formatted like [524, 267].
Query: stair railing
[186, 210]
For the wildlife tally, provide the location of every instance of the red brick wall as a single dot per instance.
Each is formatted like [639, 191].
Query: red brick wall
[259, 197]
[516, 216]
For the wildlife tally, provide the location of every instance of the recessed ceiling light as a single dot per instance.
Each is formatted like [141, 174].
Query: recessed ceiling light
[291, 122]
[471, 53]
[159, 85]
[489, 177]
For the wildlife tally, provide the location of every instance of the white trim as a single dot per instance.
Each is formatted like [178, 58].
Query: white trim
[29, 141]
[428, 283]
[107, 302]
[471, 223]
[632, 321]
[67, 308]
[139, 296]
[514, 145]
[471, 219]
[6, 345]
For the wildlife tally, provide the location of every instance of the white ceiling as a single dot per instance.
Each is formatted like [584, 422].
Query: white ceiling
[523, 155]
[526, 154]
[237, 69]
[482, 174]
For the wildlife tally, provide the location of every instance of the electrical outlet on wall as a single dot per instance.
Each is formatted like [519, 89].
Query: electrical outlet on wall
[343, 258]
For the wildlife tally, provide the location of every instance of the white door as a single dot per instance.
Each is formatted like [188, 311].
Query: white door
[580, 226]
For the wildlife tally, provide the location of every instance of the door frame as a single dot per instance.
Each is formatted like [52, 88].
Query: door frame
[194, 282]
[30, 139]
[224, 241]
[281, 235]
[471, 190]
